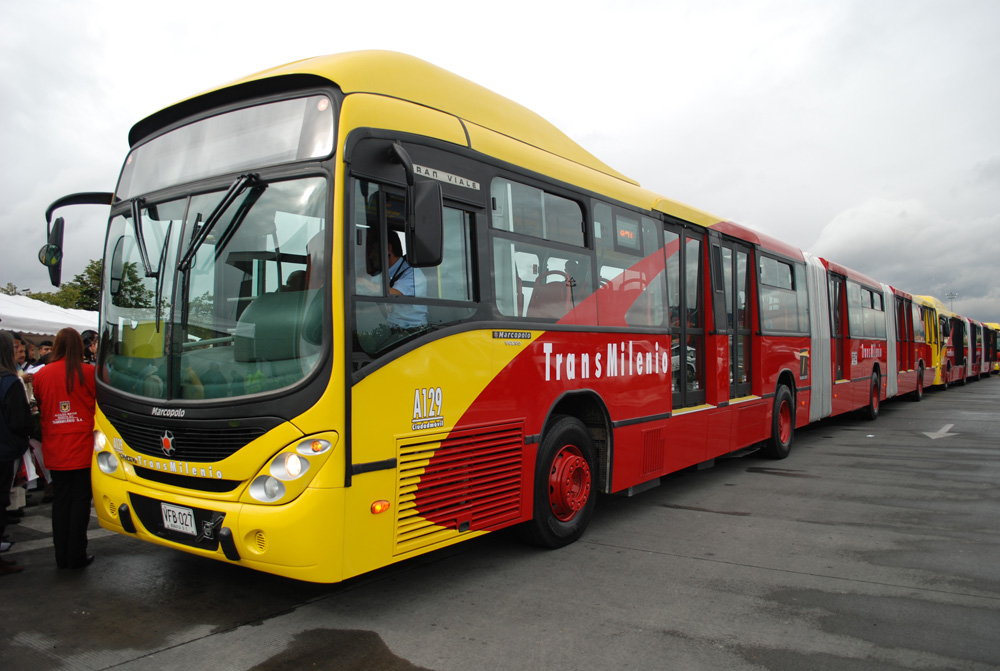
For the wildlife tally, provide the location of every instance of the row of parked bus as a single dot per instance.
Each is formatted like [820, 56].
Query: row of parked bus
[867, 341]
[400, 311]
[960, 348]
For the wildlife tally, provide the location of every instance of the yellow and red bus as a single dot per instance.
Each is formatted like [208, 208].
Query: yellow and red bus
[938, 320]
[950, 356]
[356, 309]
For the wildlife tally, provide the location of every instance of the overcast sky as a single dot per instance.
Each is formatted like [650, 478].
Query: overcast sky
[867, 132]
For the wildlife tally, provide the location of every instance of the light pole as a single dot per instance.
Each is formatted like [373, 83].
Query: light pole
[951, 296]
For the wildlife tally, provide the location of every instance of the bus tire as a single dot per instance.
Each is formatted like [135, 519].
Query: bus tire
[782, 425]
[946, 378]
[564, 495]
[871, 412]
[918, 394]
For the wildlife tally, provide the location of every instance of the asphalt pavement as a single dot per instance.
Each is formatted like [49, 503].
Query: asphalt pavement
[875, 545]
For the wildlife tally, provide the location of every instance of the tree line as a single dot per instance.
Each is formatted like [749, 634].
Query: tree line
[84, 291]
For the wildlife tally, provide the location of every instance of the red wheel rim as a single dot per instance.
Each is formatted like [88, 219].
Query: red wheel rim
[569, 483]
[785, 423]
[875, 397]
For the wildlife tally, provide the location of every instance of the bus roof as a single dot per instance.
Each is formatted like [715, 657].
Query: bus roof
[936, 303]
[409, 78]
[850, 273]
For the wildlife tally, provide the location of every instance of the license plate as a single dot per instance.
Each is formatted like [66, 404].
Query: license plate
[178, 518]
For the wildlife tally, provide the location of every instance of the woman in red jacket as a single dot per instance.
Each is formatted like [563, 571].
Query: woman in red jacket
[65, 391]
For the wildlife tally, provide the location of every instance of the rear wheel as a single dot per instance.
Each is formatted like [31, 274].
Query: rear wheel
[782, 425]
[919, 393]
[871, 412]
[564, 496]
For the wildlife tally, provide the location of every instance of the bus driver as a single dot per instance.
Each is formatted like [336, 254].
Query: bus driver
[404, 280]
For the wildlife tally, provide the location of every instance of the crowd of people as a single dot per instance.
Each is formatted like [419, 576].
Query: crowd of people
[46, 436]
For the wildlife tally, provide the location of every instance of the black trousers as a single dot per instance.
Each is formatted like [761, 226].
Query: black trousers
[70, 516]
[6, 480]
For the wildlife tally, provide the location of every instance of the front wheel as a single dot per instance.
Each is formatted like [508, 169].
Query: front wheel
[782, 425]
[871, 412]
[564, 495]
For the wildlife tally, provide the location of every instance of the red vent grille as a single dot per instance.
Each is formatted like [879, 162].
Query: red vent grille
[469, 482]
[653, 447]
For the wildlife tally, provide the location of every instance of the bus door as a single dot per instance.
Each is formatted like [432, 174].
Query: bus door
[975, 349]
[687, 324]
[732, 278]
[905, 359]
[959, 343]
[990, 336]
[838, 323]
[921, 341]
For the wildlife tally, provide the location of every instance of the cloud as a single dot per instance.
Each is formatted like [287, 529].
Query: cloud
[987, 173]
[910, 246]
[779, 114]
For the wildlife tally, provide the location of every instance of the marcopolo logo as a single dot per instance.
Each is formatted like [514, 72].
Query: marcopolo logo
[167, 412]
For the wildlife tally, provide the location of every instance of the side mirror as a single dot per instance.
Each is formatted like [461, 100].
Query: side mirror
[424, 234]
[51, 254]
[424, 214]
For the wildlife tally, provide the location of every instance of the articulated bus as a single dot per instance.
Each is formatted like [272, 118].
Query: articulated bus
[951, 356]
[860, 340]
[356, 308]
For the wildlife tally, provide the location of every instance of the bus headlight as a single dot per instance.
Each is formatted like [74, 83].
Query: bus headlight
[289, 466]
[100, 440]
[267, 489]
[107, 462]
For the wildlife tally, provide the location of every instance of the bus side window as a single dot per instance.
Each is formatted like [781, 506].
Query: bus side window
[541, 278]
[630, 269]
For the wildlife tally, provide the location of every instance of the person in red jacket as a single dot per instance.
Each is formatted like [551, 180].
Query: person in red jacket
[65, 391]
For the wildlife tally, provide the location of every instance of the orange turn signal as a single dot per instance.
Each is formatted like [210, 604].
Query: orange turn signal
[380, 507]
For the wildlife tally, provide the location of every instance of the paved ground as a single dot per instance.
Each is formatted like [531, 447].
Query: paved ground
[874, 546]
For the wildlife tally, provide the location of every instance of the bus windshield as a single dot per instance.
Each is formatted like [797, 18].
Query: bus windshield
[248, 138]
[244, 317]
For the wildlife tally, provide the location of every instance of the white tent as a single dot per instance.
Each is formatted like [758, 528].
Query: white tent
[26, 315]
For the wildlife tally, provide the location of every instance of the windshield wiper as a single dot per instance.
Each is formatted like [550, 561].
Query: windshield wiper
[235, 189]
[158, 294]
[143, 254]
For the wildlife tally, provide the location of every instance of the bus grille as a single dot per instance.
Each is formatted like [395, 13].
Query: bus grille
[192, 442]
[469, 482]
